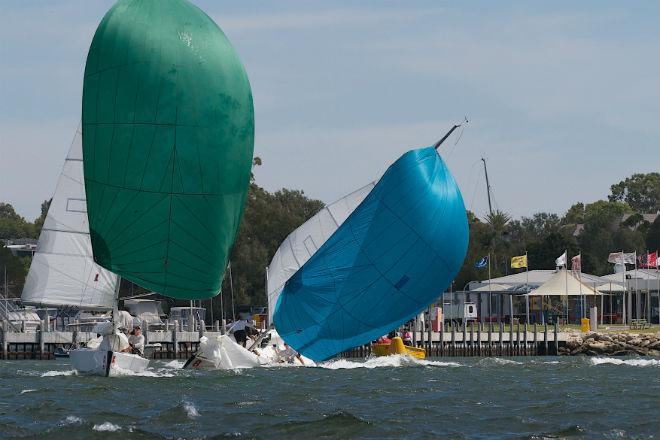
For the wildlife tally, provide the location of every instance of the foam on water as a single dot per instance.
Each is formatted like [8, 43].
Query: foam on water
[630, 362]
[497, 361]
[384, 361]
[27, 391]
[71, 420]
[58, 373]
[107, 427]
[190, 409]
[176, 365]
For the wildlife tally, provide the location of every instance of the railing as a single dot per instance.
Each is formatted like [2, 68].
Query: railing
[6, 307]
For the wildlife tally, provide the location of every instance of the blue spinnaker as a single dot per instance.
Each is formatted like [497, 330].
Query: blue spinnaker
[392, 257]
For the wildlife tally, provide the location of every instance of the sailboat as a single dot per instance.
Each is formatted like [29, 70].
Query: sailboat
[63, 272]
[371, 261]
[167, 144]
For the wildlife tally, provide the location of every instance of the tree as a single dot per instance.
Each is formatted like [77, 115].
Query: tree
[39, 221]
[640, 191]
[13, 225]
[267, 220]
[653, 236]
[16, 272]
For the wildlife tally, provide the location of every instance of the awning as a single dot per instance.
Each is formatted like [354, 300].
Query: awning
[563, 283]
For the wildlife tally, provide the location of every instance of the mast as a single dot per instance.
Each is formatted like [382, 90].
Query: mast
[490, 206]
[444, 138]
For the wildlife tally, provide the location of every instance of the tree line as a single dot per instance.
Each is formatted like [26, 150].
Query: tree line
[593, 230]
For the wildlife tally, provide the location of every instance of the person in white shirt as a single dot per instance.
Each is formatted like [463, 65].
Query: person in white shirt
[136, 341]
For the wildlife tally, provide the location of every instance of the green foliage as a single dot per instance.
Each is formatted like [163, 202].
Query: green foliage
[13, 225]
[16, 272]
[268, 219]
[640, 191]
[653, 236]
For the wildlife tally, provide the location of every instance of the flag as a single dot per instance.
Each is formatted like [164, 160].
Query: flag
[519, 261]
[482, 263]
[621, 258]
[561, 260]
[576, 263]
[648, 260]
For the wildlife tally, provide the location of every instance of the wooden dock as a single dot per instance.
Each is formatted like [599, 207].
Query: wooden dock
[473, 339]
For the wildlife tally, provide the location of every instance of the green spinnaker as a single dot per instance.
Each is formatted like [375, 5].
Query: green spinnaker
[168, 138]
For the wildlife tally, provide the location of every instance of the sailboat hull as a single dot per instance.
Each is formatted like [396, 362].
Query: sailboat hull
[107, 363]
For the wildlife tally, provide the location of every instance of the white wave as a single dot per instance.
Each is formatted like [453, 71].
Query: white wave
[58, 373]
[27, 391]
[177, 365]
[107, 427]
[630, 362]
[71, 420]
[498, 361]
[190, 409]
[384, 361]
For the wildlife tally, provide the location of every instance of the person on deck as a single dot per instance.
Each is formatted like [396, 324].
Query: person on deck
[240, 329]
[136, 341]
[289, 354]
[407, 337]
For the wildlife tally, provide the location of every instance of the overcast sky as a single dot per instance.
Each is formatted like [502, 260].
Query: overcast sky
[563, 97]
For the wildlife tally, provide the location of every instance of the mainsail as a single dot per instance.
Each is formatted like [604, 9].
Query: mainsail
[168, 133]
[384, 264]
[303, 242]
[63, 272]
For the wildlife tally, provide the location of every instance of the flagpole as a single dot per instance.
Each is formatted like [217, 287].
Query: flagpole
[490, 294]
[638, 302]
[566, 278]
[625, 290]
[526, 289]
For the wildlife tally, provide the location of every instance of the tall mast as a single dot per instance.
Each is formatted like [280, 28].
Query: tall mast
[444, 138]
[490, 206]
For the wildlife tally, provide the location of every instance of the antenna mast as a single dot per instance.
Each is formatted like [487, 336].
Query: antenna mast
[490, 206]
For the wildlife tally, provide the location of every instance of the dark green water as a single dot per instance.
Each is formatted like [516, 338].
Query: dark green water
[382, 398]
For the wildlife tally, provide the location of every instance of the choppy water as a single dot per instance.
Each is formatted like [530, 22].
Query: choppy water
[378, 399]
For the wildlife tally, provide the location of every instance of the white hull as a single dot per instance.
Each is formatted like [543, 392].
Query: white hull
[106, 363]
[224, 353]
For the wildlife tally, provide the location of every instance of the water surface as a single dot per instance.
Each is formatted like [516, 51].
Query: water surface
[382, 398]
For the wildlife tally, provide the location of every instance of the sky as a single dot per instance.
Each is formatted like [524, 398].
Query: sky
[563, 98]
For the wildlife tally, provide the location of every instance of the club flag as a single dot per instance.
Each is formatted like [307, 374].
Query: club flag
[482, 263]
[576, 263]
[621, 258]
[561, 260]
[519, 262]
[648, 260]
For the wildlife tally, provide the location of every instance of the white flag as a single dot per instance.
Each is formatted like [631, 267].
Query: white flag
[561, 261]
[621, 258]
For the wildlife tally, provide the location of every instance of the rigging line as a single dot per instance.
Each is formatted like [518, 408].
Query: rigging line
[474, 191]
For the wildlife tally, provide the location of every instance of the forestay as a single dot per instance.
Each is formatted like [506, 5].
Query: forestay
[393, 256]
[303, 242]
[63, 272]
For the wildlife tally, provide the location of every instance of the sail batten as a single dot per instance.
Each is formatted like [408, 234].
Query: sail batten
[394, 254]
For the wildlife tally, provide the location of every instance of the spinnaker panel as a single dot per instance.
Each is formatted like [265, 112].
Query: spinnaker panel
[304, 241]
[394, 255]
[168, 134]
[63, 272]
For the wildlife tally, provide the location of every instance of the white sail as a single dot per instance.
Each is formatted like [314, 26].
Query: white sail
[63, 272]
[303, 242]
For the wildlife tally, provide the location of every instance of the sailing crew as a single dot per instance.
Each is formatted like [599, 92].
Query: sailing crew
[240, 329]
[136, 341]
[289, 354]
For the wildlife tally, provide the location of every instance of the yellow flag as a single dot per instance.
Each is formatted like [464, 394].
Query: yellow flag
[518, 262]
